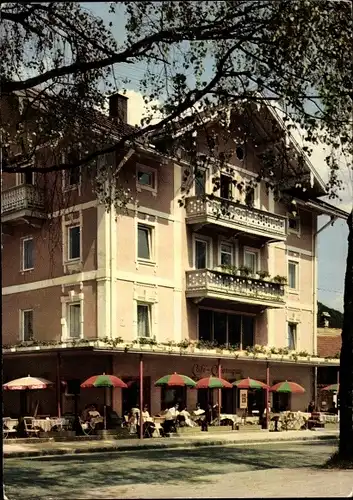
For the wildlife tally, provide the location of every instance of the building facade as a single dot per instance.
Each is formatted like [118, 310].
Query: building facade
[185, 287]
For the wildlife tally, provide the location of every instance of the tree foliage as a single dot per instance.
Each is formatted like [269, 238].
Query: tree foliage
[201, 59]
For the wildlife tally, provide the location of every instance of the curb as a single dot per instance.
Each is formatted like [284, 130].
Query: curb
[158, 446]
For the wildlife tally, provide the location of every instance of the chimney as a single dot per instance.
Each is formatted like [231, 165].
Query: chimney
[118, 107]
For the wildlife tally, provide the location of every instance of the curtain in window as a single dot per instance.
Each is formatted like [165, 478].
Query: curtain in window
[200, 182]
[28, 254]
[27, 325]
[75, 320]
[201, 254]
[143, 326]
[292, 274]
[144, 243]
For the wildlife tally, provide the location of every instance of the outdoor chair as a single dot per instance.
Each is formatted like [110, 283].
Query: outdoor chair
[30, 429]
[8, 430]
[87, 427]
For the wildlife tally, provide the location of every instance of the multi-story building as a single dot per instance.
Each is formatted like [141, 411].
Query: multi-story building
[145, 293]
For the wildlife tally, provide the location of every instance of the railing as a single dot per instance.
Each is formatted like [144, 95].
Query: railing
[206, 280]
[25, 197]
[234, 213]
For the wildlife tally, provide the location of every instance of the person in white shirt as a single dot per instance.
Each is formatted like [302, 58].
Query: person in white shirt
[170, 418]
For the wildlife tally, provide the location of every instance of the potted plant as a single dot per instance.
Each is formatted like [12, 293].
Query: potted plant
[280, 279]
[263, 274]
[245, 271]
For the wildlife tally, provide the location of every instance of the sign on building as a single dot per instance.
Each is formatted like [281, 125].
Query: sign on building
[243, 399]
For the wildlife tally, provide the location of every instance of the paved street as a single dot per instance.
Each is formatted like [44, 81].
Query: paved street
[267, 470]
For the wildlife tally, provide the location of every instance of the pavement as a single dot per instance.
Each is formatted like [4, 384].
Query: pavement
[35, 448]
[280, 468]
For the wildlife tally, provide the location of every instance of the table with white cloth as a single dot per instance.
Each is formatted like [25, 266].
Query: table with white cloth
[47, 424]
[289, 420]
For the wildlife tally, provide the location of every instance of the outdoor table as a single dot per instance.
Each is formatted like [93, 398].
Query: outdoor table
[48, 423]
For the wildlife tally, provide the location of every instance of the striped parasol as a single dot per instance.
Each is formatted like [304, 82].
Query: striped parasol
[27, 383]
[332, 388]
[288, 387]
[250, 383]
[175, 380]
[103, 381]
[213, 383]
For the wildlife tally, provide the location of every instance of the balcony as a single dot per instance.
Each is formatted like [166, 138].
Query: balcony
[206, 283]
[20, 203]
[240, 218]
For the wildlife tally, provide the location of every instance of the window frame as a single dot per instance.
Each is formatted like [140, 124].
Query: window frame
[256, 252]
[295, 262]
[228, 313]
[148, 305]
[151, 242]
[295, 336]
[296, 218]
[23, 241]
[204, 173]
[147, 170]
[20, 178]
[231, 253]
[69, 306]
[209, 255]
[69, 228]
[65, 185]
[22, 324]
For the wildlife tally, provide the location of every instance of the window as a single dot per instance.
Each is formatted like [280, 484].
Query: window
[143, 320]
[251, 261]
[226, 254]
[146, 178]
[226, 328]
[26, 178]
[293, 275]
[239, 151]
[74, 242]
[144, 242]
[27, 324]
[292, 336]
[201, 254]
[293, 224]
[226, 187]
[73, 177]
[27, 254]
[200, 182]
[74, 320]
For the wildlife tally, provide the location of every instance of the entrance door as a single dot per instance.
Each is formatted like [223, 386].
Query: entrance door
[131, 395]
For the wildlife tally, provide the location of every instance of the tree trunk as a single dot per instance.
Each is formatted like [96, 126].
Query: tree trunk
[346, 359]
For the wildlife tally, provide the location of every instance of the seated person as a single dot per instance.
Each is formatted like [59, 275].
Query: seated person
[185, 418]
[170, 418]
[311, 407]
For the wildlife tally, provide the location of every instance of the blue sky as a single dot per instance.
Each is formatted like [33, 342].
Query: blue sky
[332, 242]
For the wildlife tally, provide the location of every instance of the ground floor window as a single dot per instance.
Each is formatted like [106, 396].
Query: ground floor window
[131, 395]
[226, 328]
[280, 401]
[172, 395]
